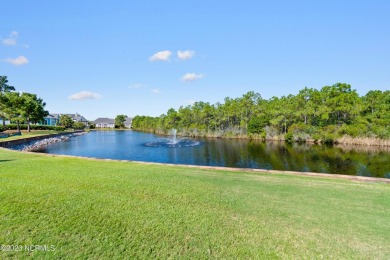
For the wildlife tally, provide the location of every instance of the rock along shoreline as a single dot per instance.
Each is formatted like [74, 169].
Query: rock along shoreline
[33, 143]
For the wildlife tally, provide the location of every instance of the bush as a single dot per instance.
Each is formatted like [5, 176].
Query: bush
[78, 125]
[33, 127]
[1, 129]
[330, 133]
[57, 128]
[381, 132]
[359, 130]
[271, 132]
[300, 132]
[289, 137]
[316, 137]
[328, 138]
[256, 125]
[302, 128]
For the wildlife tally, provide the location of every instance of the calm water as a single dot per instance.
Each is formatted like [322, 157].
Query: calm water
[131, 145]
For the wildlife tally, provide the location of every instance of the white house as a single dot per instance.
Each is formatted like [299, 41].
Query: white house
[103, 122]
[7, 122]
[128, 122]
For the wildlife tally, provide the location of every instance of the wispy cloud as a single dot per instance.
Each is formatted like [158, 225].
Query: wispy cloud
[191, 77]
[161, 56]
[11, 40]
[21, 60]
[185, 55]
[83, 95]
[189, 102]
[155, 91]
[138, 85]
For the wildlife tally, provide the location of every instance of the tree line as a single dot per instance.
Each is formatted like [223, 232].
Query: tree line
[20, 107]
[317, 115]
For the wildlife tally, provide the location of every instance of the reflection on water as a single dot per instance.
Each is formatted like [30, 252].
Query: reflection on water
[130, 145]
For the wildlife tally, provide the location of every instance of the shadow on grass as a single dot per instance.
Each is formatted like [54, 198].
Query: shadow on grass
[5, 161]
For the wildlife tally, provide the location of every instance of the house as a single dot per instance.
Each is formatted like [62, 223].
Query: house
[103, 122]
[79, 118]
[52, 120]
[7, 122]
[76, 118]
[128, 122]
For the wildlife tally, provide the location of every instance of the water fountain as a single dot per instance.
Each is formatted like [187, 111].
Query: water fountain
[173, 141]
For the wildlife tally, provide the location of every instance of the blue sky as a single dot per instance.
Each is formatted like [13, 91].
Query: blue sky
[103, 58]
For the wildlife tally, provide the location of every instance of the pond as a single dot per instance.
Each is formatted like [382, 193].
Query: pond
[138, 146]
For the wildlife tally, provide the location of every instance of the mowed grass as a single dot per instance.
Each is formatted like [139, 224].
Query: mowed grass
[121, 210]
[26, 134]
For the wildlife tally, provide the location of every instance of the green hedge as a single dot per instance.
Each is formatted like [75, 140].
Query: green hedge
[32, 127]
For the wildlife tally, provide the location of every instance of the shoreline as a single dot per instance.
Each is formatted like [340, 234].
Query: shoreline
[219, 168]
[343, 140]
[8, 143]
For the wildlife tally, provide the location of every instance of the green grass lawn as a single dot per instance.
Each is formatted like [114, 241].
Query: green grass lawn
[33, 133]
[120, 210]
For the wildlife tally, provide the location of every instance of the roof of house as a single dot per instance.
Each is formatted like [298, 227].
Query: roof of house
[76, 117]
[128, 120]
[56, 115]
[51, 116]
[104, 120]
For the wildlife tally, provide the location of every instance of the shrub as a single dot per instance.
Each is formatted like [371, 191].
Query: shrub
[301, 137]
[300, 128]
[33, 127]
[354, 130]
[78, 125]
[58, 128]
[316, 137]
[271, 132]
[256, 125]
[381, 132]
[289, 137]
[301, 132]
[331, 129]
[328, 138]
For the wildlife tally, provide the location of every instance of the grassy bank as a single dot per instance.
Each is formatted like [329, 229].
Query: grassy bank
[33, 133]
[336, 139]
[102, 209]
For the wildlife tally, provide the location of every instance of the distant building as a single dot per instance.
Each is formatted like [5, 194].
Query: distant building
[7, 122]
[103, 122]
[128, 122]
[79, 118]
[52, 120]
[76, 118]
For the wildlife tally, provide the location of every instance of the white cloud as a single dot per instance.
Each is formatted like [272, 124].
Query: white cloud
[155, 91]
[161, 56]
[11, 40]
[85, 95]
[21, 60]
[138, 85]
[189, 102]
[191, 77]
[185, 55]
